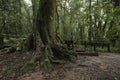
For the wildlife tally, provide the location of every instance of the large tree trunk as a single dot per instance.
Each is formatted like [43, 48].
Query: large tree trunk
[45, 21]
[44, 32]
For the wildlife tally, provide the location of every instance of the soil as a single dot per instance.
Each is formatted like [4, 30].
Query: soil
[106, 66]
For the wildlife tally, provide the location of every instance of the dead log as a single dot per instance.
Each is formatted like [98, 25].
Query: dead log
[80, 50]
[88, 53]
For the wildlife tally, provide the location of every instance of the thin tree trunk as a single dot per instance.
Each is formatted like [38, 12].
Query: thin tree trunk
[90, 23]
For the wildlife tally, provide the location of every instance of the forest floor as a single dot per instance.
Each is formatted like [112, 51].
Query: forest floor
[106, 66]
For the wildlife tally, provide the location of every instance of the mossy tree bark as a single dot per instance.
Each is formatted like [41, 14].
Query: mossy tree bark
[45, 20]
[44, 25]
[44, 30]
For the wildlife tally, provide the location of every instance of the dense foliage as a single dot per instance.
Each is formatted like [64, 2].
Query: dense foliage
[48, 24]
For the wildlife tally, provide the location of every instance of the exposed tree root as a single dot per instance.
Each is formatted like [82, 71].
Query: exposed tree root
[9, 49]
[51, 54]
[61, 53]
[46, 54]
